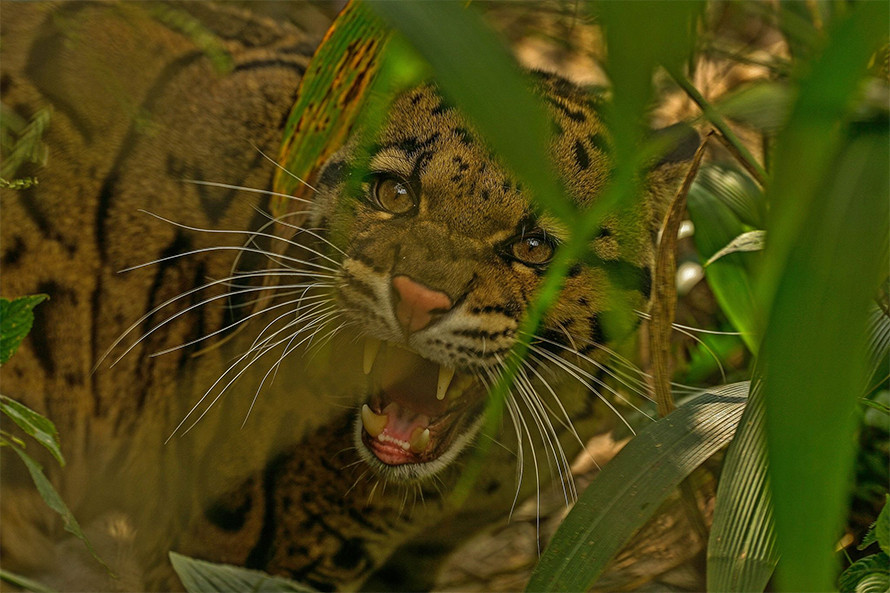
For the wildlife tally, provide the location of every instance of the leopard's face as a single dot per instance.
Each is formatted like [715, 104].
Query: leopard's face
[441, 254]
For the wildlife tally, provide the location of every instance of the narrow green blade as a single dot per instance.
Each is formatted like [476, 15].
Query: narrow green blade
[200, 576]
[630, 488]
[825, 259]
[742, 548]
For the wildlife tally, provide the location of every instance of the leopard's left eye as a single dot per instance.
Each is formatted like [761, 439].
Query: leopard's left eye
[533, 250]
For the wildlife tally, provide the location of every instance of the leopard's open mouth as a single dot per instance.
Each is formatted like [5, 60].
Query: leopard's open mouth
[418, 412]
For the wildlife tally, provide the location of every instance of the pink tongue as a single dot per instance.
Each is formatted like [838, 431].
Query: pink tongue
[410, 381]
[402, 422]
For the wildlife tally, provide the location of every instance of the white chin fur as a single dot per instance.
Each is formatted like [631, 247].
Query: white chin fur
[408, 473]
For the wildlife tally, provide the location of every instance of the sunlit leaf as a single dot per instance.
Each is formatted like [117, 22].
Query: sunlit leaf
[16, 319]
[630, 488]
[39, 427]
[741, 549]
[868, 575]
[330, 98]
[750, 241]
[200, 576]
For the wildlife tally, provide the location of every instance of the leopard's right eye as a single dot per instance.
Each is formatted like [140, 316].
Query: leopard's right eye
[393, 195]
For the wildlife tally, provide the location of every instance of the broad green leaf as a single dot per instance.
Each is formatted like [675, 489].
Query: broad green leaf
[881, 529]
[823, 264]
[878, 343]
[875, 582]
[55, 502]
[16, 318]
[23, 583]
[764, 105]
[735, 190]
[868, 575]
[716, 225]
[749, 241]
[741, 549]
[200, 576]
[630, 488]
[39, 427]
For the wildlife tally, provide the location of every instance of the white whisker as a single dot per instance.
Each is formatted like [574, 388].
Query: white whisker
[272, 256]
[247, 189]
[240, 321]
[277, 164]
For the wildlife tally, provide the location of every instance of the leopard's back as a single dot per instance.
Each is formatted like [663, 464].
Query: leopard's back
[137, 106]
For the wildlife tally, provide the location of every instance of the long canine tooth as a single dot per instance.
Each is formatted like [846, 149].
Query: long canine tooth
[373, 423]
[420, 439]
[446, 374]
[372, 347]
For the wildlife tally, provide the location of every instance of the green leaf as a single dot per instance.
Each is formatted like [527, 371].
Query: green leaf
[882, 527]
[764, 105]
[331, 97]
[735, 190]
[875, 582]
[750, 241]
[23, 583]
[867, 575]
[713, 202]
[630, 488]
[23, 144]
[39, 427]
[823, 264]
[741, 549]
[16, 318]
[200, 576]
[55, 502]
[878, 342]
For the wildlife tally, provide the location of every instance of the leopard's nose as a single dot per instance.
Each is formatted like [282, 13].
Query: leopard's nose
[416, 305]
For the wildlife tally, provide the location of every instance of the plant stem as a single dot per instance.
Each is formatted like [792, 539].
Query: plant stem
[727, 136]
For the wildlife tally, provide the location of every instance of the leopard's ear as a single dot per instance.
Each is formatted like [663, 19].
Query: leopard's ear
[665, 175]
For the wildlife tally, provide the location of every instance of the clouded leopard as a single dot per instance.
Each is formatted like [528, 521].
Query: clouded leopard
[319, 391]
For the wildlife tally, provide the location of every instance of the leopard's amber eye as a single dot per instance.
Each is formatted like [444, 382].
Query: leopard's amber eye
[394, 195]
[533, 250]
